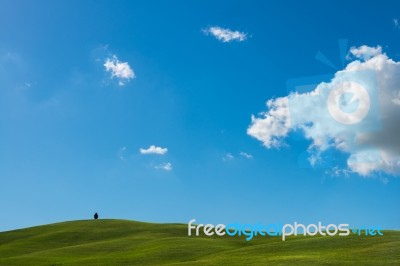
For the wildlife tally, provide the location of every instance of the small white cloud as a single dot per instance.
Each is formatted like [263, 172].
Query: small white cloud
[396, 98]
[396, 101]
[396, 23]
[164, 166]
[272, 126]
[226, 35]
[338, 172]
[246, 155]
[154, 150]
[120, 70]
[365, 52]
[314, 158]
[228, 157]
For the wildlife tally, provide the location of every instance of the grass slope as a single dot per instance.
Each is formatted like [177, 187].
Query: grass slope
[119, 242]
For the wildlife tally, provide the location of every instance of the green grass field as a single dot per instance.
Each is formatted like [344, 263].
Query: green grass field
[120, 242]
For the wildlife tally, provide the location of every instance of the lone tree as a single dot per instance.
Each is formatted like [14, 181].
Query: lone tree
[96, 216]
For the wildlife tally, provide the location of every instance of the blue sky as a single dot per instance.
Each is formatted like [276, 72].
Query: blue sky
[70, 134]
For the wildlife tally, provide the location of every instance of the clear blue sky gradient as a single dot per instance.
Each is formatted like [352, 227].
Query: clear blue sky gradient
[60, 137]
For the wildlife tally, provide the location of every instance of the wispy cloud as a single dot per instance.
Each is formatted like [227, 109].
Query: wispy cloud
[225, 35]
[164, 166]
[122, 152]
[154, 150]
[246, 155]
[122, 71]
[396, 24]
[228, 157]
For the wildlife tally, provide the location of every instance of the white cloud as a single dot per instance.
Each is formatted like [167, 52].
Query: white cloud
[396, 98]
[246, 155]
[226, 35]
[154, 150]
[365, 52]
[338, 172]
[119, 70]
[228, 157]
[273, 125]
[164, 166]
[372, 144]
[396, 23]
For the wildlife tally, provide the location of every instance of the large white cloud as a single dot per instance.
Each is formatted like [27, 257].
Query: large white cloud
[120, 70]
[226, 35]
[370, 140]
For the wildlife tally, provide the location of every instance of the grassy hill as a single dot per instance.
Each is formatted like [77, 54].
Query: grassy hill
[119, 242]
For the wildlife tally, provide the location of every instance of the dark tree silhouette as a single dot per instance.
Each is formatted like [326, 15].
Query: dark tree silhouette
[96, 216]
